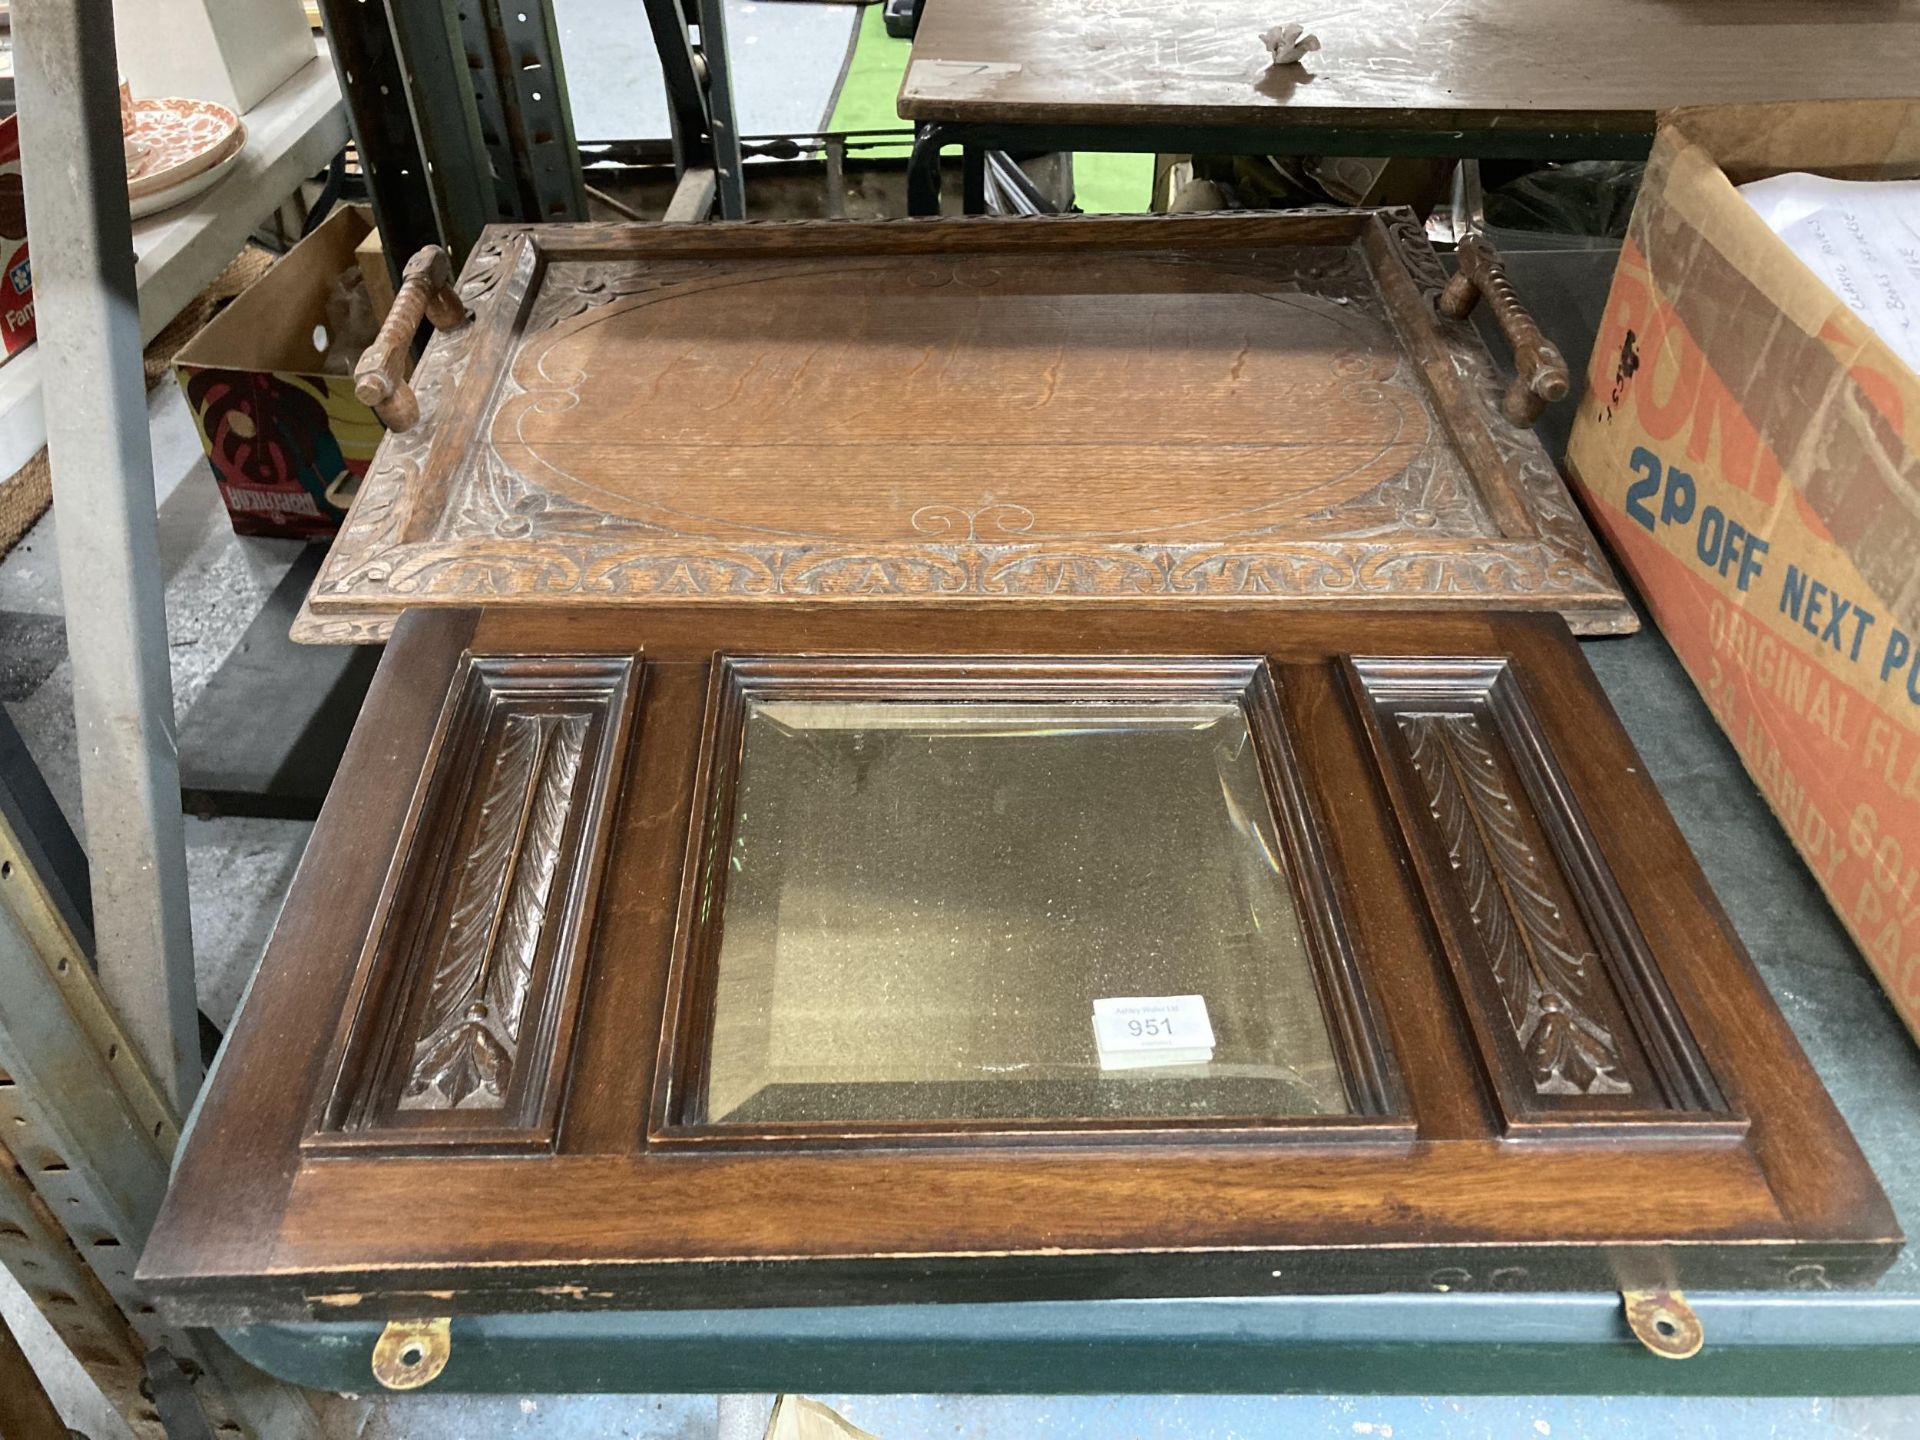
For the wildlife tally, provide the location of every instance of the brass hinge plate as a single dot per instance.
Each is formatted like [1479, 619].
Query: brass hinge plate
[1664, 1322]
[412, 1353]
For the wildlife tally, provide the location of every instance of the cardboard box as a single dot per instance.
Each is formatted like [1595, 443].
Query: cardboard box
[288, 442]
[16, 272]
[1752, 451]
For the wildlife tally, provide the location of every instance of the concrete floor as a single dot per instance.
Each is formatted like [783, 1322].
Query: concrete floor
[216, 583]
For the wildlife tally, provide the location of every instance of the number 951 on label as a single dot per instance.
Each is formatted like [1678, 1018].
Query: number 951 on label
[1134, 1031]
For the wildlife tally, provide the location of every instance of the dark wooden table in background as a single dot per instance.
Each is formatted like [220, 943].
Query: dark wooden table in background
[1555, 79]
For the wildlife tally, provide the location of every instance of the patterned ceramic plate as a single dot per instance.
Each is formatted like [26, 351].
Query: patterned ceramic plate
[180, 138]
[155, 201]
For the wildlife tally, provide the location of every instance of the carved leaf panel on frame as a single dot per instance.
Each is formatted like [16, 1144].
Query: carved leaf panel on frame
[470, 1033]
[1573, 1022]
[1540, 965]
[460, 1023]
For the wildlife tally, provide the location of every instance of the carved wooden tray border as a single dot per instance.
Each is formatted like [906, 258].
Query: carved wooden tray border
[392, 553]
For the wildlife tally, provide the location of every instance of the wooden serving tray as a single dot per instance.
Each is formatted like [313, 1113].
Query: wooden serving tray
[1248, 408]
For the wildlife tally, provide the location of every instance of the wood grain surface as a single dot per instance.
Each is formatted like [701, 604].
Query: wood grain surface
[1486, 1145]
[1242, 409]
[1547, 65]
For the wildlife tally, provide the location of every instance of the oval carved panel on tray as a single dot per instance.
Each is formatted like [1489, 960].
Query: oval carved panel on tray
[981, 400]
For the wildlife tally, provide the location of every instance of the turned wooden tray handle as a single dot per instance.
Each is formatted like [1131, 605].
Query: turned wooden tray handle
[1542, 370]
[426, 288]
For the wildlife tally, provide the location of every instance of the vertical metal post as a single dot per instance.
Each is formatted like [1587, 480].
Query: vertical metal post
[44, 1263]
[375, 89]
[521, 87]
[726, 132]
[75, 170]
[485, 70]
[923, 170]
[681, 68]
[446, 118]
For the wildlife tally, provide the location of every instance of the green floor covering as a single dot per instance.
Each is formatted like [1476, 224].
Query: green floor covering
[1104, 184]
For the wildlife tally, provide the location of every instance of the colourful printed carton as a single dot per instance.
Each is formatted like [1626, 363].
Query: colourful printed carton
[16, 271]
[288, 442]
[1752, 451]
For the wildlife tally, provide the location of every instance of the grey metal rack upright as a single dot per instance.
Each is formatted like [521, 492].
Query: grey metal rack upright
[461, 118]
[75, 171]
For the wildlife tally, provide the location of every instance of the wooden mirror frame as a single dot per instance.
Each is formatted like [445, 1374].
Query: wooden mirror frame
[1723, 1163]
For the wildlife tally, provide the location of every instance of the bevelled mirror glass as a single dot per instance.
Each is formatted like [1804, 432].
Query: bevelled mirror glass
[925, 903]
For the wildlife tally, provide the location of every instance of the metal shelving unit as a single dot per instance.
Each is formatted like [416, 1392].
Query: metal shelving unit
[290, 135]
